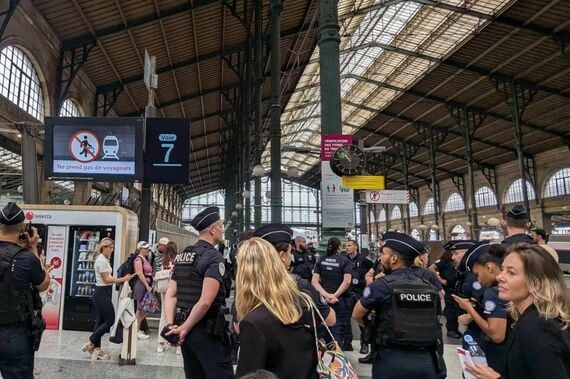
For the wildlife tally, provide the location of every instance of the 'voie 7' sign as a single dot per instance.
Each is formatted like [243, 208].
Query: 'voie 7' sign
[167, 153]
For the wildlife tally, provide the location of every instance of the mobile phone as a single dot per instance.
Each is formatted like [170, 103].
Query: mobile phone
[28, 230]
[172, 339]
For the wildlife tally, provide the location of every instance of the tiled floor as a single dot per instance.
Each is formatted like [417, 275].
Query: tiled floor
[60, 356]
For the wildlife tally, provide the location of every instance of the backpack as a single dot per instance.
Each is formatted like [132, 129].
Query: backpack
[126, 268]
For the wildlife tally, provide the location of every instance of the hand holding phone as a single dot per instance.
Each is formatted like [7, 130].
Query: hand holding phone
[173, 339]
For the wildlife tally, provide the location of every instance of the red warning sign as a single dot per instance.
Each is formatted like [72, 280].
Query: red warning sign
[374, 196]
[84, 146]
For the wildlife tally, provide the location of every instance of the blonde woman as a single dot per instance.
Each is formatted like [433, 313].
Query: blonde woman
[276, 332]
[102, 299]
[540, 305]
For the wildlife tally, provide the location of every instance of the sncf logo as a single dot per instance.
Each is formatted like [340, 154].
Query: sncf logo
[422, 297]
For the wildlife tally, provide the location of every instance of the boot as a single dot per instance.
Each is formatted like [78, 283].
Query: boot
[364, 348]
[368, 359]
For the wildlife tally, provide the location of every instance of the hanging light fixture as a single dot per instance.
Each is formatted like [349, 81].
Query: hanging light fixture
[435, 227]
[239, 206]
[493, 221]
[246, 194]
[258, 170]
[293, 172]
[234, 213]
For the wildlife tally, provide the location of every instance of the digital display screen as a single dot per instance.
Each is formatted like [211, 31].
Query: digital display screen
[100, 149]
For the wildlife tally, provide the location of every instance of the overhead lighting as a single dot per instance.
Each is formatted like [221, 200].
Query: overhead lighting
[239, 206]
[493, 221]
[258, 171]
[246, 194]
[293, 172]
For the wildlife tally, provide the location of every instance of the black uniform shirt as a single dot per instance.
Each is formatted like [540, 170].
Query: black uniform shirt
[210, 264]
[472, 288]
[305, 286]
[516, 238]
[427, 275]
[26, 269]
[540, 349]
[332, 270]
[360, 266]
[447, 271]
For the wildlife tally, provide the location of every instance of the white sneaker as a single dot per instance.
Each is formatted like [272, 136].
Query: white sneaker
[178, 350]
[160, 349]
[142, 336]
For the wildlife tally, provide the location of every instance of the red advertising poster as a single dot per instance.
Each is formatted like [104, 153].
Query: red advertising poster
[52, 297]
[331, 142]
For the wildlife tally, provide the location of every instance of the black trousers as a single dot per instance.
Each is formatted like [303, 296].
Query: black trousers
[16, 353]
[206, 356]
[348, 337]
[398, 364]
[451, 312]
[105, 313]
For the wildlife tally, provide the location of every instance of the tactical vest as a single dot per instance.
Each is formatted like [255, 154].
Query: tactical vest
[189, 281]
[16, 304]
[331, 272]
[411, 320]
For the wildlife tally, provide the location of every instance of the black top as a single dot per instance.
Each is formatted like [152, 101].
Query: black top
[540, 349]
[303, 262]
[288, 351]
[360, 266]
[305, 286]
[517, 238]
[448, 272]
[210, 264]
[428, 276]
[27, 269]
[332, 270]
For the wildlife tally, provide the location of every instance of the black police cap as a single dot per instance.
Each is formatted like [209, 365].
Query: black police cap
[475, 252]
[274, 233]
[458, 244]
[403, 244]
[12, 214]
[518, 212]
[205, 218]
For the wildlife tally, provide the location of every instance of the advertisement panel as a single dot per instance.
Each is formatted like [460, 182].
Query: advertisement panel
[337, 201]
[93, 148]
[55, 255]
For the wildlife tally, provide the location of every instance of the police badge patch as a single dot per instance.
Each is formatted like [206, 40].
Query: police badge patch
[366, 292]
[490, 306]
[477, 286]
[222, 268]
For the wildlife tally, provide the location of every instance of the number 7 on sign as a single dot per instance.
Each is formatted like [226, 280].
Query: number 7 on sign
[168, 147]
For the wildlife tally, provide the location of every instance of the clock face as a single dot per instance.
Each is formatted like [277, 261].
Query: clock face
[348, 160]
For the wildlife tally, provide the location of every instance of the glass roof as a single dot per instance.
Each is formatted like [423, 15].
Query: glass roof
[379, 48]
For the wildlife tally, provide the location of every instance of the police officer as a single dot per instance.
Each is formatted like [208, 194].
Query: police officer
[303, 259]
[468, 287]
[360, 266]
[447, 270]
[22, 275]
[405, 322]
[279, 236]
[195, 302]
[331, 278]
[516, 222]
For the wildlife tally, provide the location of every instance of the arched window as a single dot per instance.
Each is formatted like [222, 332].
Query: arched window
[485, 197]
[382, 217]
[454, 203]
[558, 184]
[19, 81]
[432, 235]
[414, 211]
[458, 233]
[396, 213]
[428, 208]
[69, 109]
[416, 234]
[514, 192]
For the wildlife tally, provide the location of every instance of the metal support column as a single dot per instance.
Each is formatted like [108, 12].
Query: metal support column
[406, 151]
[518, 95]
[275, 130]
[257, 82]
[29, 154]
[469, 122]
[247, 95]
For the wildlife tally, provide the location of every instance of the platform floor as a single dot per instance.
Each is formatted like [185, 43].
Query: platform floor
[60, 356]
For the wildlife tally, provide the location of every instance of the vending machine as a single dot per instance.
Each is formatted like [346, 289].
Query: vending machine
[70, 236]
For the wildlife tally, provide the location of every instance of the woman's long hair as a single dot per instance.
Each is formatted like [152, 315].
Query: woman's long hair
[545, 283]
[332, 246]
[170, 254]
[104, 243]
[263, 280]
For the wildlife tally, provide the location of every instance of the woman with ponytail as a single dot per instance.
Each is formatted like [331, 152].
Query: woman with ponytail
[485, 261]
[332, 277]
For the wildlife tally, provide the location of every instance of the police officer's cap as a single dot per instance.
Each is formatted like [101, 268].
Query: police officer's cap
[518, 212]
[403, 244]
[458, 244]
[205, 218]
[475, 252]
[274, 233]
[12, 214]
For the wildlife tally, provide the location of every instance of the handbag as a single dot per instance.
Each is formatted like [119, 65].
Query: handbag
[332, 363]
[148, 304]
[162, 277]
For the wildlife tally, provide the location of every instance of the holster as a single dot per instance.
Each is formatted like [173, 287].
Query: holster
[37, 327]
[216, 324]
[371, 324]
[181, 315]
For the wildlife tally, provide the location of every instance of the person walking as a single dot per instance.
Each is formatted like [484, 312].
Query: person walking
[162, 277]
[143, 271]
[102, 299]
[276, 327]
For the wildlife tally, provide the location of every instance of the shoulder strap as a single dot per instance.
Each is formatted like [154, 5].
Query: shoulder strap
[10, 251]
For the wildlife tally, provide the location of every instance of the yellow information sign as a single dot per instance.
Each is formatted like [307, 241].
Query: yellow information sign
[373, 182]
